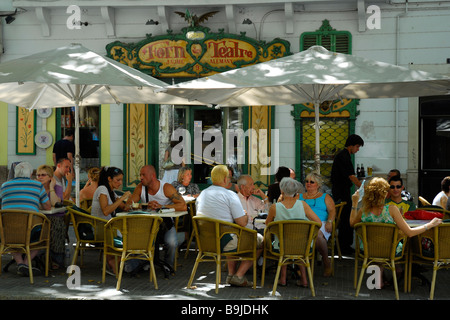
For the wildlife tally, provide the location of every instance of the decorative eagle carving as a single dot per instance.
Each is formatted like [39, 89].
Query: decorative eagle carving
[193, 20]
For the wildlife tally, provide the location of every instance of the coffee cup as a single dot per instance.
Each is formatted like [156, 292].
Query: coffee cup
[135, 205]
[144, 206]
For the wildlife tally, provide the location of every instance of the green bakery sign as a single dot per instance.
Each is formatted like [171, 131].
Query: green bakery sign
[195, 52]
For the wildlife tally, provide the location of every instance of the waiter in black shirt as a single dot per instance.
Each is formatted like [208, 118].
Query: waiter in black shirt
[342, 178]
[65, 148]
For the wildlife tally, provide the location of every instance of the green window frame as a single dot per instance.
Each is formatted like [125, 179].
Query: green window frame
[336, 41]
[329, 38]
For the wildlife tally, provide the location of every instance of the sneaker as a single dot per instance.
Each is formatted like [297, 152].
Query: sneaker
[23, 270]
[240, 282]
[229, 278]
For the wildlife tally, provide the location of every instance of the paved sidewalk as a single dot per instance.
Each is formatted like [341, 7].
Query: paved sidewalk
[339, 287]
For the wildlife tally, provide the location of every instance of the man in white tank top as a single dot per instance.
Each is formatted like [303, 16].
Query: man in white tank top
[159, 194]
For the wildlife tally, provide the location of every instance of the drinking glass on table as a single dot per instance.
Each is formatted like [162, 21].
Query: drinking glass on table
[182, 190]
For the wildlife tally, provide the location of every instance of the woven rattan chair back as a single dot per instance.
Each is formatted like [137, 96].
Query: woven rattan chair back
[86, 204]
[95, 238]
[209, 232]
[296, 246]
[380, 242]
[138, 241]
[192, 212]
[437, 254]
[15, 234]
[333, 240]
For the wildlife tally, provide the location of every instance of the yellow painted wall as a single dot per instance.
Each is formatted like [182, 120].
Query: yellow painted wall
[105, 136]
[51, 127]
[4, 136]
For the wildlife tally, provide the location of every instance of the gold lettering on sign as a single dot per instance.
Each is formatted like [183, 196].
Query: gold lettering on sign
[167, 52]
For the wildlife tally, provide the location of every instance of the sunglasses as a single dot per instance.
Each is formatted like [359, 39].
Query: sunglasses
[41, 175]
[310, 181]
[395, 187]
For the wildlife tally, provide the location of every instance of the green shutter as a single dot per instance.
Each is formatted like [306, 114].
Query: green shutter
[329, 38]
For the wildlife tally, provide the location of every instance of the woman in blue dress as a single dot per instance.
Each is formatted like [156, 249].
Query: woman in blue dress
[323, 205]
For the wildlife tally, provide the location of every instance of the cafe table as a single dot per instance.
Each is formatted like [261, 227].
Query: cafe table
[53, 210]
[165, 213]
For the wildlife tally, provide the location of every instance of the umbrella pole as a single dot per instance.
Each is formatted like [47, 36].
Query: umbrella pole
[317, 137]
[77, 148]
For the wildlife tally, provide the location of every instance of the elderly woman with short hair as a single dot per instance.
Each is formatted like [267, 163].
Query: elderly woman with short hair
[290, 208]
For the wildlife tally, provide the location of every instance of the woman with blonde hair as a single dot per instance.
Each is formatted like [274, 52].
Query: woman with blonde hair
[184, 180]
[323, 206]
[91, 185]
[374, 209]
[44, 174]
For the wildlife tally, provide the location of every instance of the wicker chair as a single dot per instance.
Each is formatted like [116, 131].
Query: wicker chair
[297, 240]
[333, 241]
[192, 211]
[209, 232]
[380, 242]
[438, 257]
[93, 239]
[86, 204]
[138, 237]
[15, 234]
[424, 202]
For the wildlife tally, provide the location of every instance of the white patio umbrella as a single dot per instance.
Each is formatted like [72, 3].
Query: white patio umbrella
[73, 76]
[311, 76]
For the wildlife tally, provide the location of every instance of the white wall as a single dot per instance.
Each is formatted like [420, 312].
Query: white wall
[423, 38]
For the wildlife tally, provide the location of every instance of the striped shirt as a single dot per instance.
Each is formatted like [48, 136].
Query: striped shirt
[22, 194]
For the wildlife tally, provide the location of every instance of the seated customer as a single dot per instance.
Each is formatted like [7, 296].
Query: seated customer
[249, 201]
[441, 198]
[91, 185]
[22, 193]
[218, 202]
[273, 191]
[160, 194]
[105, 201]
[44, 174]
[323, 206]
[395, 196]
[374, 209]
[405, 194]
[290, 208]
[184, 180]
[63, 177]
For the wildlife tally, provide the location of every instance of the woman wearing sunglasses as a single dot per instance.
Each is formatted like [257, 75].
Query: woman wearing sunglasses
[44, 174]
[323, 206]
